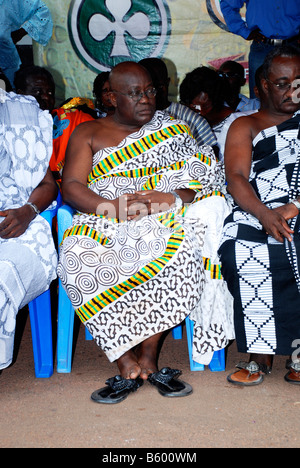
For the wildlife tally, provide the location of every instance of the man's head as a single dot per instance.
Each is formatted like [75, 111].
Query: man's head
[235, 74]
[132, 94]
[160, 78]
[38, 82]
[101, 92]
[203, 86]
[281, 79]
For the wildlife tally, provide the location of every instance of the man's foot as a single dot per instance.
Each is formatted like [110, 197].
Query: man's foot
[251, 373]
[147, 363]
[147, 355]
[128, 365]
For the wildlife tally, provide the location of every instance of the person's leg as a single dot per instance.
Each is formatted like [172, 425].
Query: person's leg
[142, 361]
[128, 365]
[147, 354]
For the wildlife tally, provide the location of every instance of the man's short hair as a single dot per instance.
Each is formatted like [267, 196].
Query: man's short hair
[23, 73]
[286, 50]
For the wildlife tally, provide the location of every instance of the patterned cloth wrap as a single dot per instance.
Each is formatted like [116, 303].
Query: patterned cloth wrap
[28, 262]
[130, 280]
[263, 274]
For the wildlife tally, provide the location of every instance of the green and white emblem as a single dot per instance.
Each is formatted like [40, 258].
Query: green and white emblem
[106, 32]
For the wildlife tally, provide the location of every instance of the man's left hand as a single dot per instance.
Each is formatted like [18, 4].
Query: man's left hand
[15, 221]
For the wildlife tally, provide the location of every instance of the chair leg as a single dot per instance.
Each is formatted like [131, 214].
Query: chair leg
[194, 366]
[217, 364]
[41, 331]
[65, 328]
[177, 332]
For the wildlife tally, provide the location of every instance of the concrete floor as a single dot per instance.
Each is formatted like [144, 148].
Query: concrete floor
[58, 413]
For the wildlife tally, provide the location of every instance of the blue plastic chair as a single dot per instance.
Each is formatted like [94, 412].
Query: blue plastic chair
[41, 323]
[65, 323]
[217, 363]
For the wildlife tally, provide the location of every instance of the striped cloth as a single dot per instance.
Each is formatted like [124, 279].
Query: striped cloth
[200, 128]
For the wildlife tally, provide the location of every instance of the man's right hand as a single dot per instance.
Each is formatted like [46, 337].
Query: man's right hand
[275, 225]
[256, 36]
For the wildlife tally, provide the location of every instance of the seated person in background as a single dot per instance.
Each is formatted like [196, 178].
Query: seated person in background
[234, 73]
[38, 82]
[101, 93]
[199, 127]
[204, 91]
[260, 248]
[136, 261]
[28, 258]
[222, 134]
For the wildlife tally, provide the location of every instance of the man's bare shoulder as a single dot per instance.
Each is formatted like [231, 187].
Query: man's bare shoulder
[247, 125]
[90, 126]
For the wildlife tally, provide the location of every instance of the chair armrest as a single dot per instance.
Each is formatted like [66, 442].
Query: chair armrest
[64, 220]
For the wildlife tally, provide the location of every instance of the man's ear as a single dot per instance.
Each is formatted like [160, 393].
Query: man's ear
[112, 98]
[264, 86]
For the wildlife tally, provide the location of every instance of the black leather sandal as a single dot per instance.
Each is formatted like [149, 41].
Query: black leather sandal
[117, 390]
[167, 383]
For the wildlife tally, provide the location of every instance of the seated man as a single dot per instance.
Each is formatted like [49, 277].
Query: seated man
[260, 249]
[28, 258]
[234, 73]
[132, 262]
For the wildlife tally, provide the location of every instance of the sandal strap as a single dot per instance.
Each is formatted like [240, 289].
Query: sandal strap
[118, 384]
[164, 375]
[253, 367]
[294, 365]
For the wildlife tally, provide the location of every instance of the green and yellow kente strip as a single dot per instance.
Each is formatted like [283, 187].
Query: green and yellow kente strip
[84, 230]
[135, 149]
[215, 269]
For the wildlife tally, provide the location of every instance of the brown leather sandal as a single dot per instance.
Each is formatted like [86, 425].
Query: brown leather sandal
[293, 375]
[250, 373]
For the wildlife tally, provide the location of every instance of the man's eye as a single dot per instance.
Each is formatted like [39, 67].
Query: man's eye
[283, 85]
[134, 94]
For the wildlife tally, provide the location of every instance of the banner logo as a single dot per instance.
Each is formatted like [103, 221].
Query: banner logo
[106, 32]
[214, 11]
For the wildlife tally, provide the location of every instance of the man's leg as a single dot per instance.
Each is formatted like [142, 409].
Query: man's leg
[147, 354]
[143, 361]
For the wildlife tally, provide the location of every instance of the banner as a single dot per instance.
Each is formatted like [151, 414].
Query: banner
[91, 36]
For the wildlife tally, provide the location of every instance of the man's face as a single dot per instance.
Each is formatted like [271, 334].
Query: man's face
[130, 111]
[40, 87]
[235, 80]
[285, 71]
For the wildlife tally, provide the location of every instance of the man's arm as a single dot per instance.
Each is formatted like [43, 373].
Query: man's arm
[17, 220]
[231, 12]
[238, 156]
